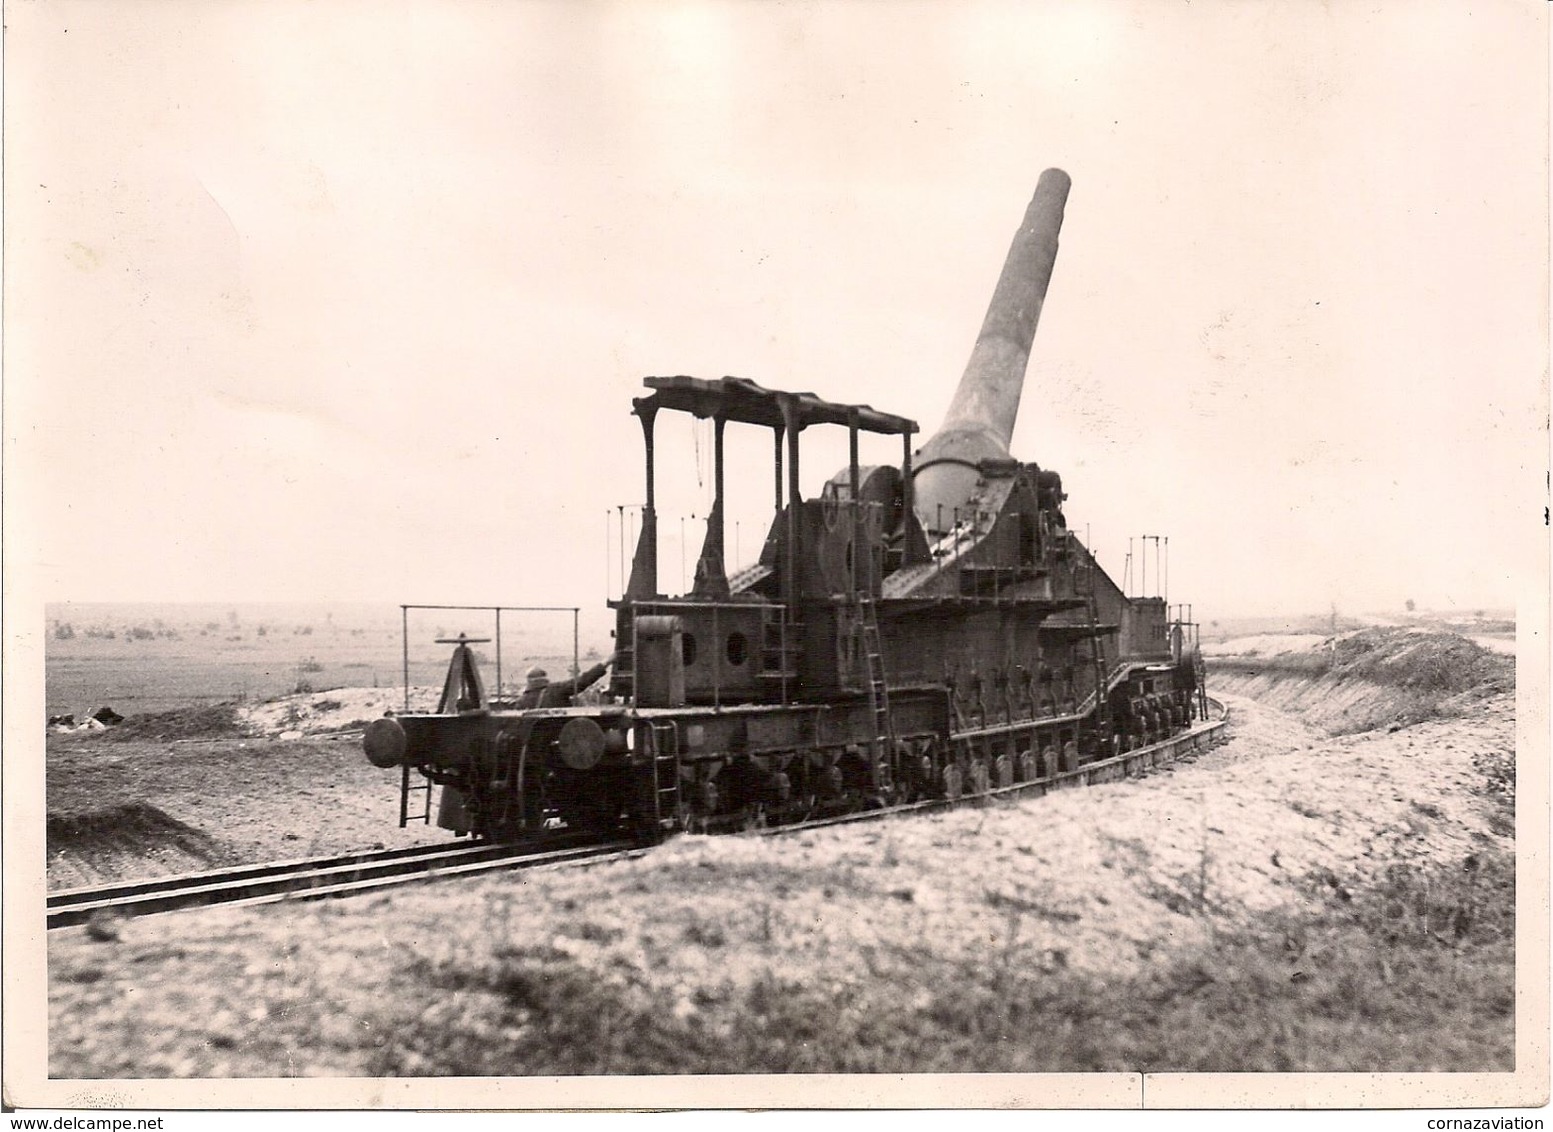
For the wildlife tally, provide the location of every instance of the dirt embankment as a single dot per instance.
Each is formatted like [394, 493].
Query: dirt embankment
[1291, 900]
[1373, 678]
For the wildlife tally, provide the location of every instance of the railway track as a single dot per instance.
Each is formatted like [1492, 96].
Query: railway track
[1128, 764]
[354, 873]
[314, 877]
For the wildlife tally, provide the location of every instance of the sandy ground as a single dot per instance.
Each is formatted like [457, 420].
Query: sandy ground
[119, 811]
[1109, 880]
[340, 709]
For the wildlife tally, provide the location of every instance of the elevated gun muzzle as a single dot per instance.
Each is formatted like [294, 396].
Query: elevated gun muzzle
[980, 420]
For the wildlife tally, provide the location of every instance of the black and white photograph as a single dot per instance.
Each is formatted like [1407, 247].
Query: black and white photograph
[700, 555]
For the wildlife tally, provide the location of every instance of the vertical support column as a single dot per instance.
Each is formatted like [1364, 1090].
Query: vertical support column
[647, 418]
[858, 549]
[717, 488]
[790, 567]
[644, 564]
[711, 573]
[776, 463]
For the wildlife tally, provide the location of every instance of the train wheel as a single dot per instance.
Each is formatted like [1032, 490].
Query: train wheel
[953, 781]
[1070, 755]
[831, 784]
[1029, 767]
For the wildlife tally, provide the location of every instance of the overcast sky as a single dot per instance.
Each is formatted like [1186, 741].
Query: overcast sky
[348, 301]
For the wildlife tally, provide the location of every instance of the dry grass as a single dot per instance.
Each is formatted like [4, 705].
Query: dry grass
[1412, 976]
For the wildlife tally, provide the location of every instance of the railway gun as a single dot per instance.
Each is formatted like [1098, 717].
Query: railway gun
[928, 630]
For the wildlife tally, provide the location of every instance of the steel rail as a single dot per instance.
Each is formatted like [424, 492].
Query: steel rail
[314, 877]
[350, 873]
[1128, 764]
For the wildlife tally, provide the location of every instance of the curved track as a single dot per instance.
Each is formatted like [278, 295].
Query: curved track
[352, 873]
[1128, 764]
[314, 877]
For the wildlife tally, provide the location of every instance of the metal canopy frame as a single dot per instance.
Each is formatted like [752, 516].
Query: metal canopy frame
[739, 399]
[787, 415]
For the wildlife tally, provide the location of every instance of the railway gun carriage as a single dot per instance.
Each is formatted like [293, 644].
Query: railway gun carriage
[932, 630]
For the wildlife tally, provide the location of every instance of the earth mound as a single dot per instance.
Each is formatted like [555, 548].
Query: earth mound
[1377, 678]
[331, 711]
[97, 844]
[208, 721]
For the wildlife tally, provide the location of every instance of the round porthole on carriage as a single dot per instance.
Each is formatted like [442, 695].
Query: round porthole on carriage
[738, 648]
[687, 648]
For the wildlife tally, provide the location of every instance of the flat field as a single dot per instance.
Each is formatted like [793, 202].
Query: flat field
[151, 658]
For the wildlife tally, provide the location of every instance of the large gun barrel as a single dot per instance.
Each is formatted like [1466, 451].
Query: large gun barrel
[980, 420]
